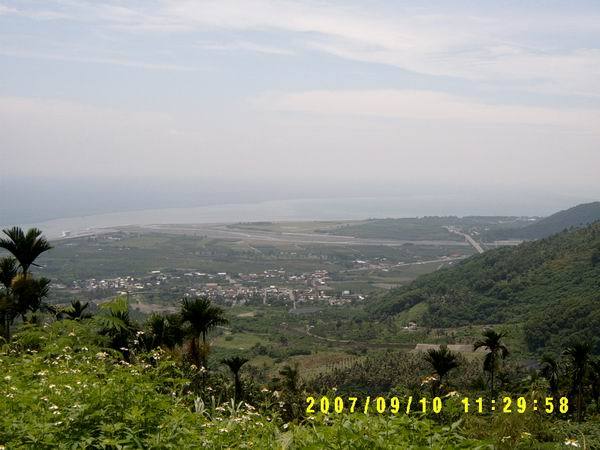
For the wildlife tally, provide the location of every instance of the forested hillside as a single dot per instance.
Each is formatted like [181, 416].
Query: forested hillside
[551, 285]
[576, 217]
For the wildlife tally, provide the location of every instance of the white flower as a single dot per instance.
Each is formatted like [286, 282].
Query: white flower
[572, 443]
[7, 378]
[285, 426]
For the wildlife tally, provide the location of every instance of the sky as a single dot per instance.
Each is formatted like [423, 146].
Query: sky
[157, 103]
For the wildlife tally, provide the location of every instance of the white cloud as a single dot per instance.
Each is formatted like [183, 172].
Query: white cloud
[426, 106]
[473, 46]
[115, 61]
[244, 46]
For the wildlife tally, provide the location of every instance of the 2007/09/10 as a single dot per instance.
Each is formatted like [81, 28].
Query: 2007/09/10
[394, 405]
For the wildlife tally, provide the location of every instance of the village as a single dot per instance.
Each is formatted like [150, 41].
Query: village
[270, 287]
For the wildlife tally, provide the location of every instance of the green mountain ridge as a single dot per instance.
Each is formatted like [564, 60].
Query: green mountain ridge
[575, 217]
[552, 286]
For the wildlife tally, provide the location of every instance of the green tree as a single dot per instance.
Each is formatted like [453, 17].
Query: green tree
[235, 364]
[442, 361]
[291, 378]
[25, 247]
[595, 381]
[165, 330]
[115, 323]
[579, 357]
[550, 370]
[77, 310]
[8, 271]
[29, 294]
[496, 351]
[202, 316]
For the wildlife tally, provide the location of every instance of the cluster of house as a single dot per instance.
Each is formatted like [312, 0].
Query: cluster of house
[273, 286]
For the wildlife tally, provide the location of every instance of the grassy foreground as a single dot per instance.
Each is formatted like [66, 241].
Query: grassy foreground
[62, 388]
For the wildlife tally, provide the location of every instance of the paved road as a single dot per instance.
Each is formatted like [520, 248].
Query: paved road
[468, 238]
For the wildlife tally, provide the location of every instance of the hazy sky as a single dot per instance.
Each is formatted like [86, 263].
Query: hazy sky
[502, 94]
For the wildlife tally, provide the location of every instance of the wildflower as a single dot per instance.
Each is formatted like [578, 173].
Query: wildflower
[223, 430]
[249, 406]
[285, 426]
[276, 394]
[572, 443]
[264, 390]
[193, 367]
[139, 333]
[428, 380]
[56, 413]
[505, 438]
[72, 334]
[525, 434]
[53, 408]
[7, 378]
[334, 389]
[85, 349]
[101, 355]
[452, 394]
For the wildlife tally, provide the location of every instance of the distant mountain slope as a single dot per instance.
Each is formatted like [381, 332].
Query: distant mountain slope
[578, 216]
[552, 285]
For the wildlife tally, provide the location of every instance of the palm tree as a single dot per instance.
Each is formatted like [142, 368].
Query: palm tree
[496, 351]
[291, 378]
[235, 363]
[115, 322]
[595, 380]
[76, 310]
[202, 316]
[579, 355]
[442, 361]
[29, 294]
[8, 272]
[25, 247]
[550, 370]
[165, 330]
